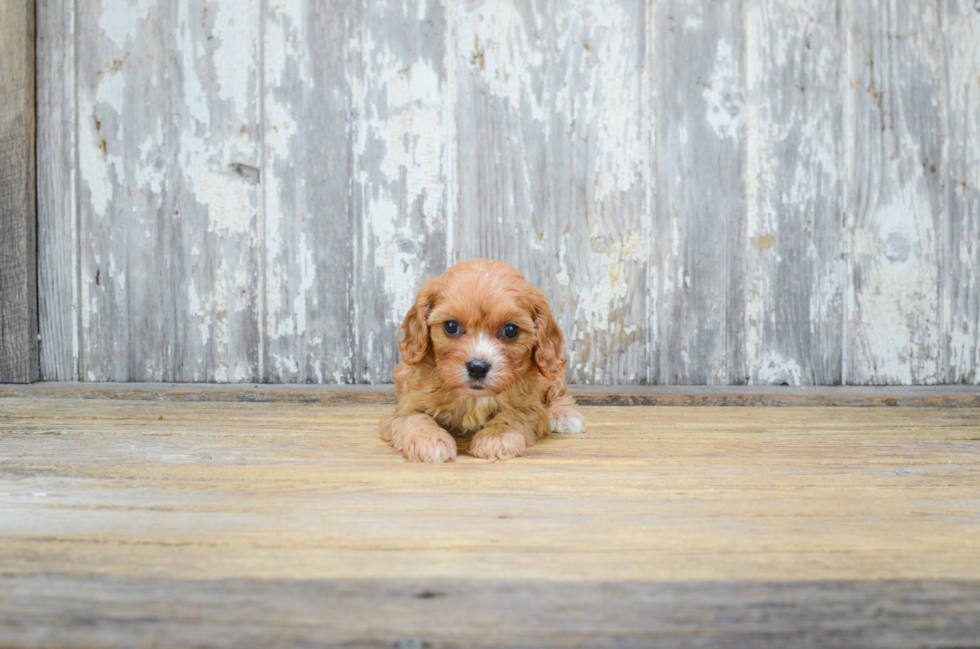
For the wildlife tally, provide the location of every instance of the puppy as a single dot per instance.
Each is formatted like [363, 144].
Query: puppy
[481, 355]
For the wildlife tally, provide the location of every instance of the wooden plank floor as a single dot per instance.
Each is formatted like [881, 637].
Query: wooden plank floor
[128, 523]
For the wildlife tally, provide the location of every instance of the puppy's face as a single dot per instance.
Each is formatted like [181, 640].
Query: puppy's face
[484, 327]
[482, 343]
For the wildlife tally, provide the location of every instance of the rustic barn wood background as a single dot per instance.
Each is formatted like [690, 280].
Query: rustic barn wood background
[18, 216]
[720, 192]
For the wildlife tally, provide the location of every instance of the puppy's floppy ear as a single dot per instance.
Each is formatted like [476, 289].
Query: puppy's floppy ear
[549, 349]
[414, 343]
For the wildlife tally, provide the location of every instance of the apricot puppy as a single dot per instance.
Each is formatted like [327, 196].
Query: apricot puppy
[481, 355]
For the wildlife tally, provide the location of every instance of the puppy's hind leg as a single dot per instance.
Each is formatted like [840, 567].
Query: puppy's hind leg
[564, 416]
[419, 438]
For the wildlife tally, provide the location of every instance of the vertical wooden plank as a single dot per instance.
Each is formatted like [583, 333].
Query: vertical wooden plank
[306, 188]
[216, 245]
[554, 152]
[168, 157]
[57, 248]
[962, 238]
[895, 127]
[700, 192]
[401, 168]
[126, 181]
[794, 268]
[18, 210]
[654, 253]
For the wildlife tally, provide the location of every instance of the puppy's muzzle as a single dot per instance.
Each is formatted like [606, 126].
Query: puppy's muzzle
[477, 370]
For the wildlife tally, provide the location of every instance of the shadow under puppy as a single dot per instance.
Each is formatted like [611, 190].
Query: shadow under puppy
[481, 353]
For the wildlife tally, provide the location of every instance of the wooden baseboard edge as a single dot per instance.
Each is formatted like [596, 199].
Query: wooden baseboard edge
[832, 396]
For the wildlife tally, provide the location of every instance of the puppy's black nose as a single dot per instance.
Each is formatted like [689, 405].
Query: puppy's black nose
[477, 369]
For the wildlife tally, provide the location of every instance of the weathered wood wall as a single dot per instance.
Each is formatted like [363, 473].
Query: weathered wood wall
[18, 213]
[749, 191]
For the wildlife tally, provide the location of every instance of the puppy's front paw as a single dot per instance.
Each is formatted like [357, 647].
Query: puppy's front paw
[565, 419]
[420, 439]
[429, 446]
[498, 445]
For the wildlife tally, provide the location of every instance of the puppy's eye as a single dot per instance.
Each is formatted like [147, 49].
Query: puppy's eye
[451, 327]
[511, 331]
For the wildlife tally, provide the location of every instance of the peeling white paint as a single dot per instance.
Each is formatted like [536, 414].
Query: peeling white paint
[501, 48]
[563, 278]
[198, 311]
[285, 49]
[411, 133]
[759, 209]
[400, 277]
[776, 370]
[961, 305]
[206, 148]
[95, 166]
[609, 286]
[622, 149]
[567, 113]
[403, 150]
[902, 337]
[307, 273]
[120, 22]
[723, 94]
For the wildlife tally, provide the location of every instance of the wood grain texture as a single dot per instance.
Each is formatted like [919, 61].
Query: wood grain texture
[57, 224]
[895, 200]
[554, 153]
[961, 270]
[795, 269]
[701, 207]
[128, 191]
[214, 132]
[168, 214]
[307, 167]
[18, 209]
[302, 491]
[403, 201]
[138, 612]
[125, 522]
